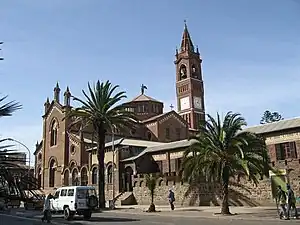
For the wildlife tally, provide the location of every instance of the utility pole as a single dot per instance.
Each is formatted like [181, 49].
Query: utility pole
[1, 58]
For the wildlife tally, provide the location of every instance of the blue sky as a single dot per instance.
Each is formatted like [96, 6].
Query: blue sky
[250, 51]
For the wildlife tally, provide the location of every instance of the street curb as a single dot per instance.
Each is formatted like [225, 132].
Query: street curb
[29, 219]
[233, 217]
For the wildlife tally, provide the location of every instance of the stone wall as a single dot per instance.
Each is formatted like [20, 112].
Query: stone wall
[205, 194]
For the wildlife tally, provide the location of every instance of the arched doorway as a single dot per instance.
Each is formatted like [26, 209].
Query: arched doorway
[52, 173]
[109, 174]
[75, 180]
[128, 178]
[84, 177]
[94, 175]
[66, 177]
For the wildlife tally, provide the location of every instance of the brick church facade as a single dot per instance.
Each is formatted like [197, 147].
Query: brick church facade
[67, 156]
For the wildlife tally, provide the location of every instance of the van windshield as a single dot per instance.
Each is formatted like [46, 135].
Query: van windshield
[85, 193]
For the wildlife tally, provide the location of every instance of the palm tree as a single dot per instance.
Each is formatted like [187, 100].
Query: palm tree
[151, 184]
[100, 109]
[223, 151]
[7, 109]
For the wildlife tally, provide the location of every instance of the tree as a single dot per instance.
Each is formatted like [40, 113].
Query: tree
[221, 150]
[100, 109]
[151, 184]
[6, 109]
[270, 117]
[7, 160]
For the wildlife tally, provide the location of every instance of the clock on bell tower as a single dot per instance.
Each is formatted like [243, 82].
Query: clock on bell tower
[189, 83]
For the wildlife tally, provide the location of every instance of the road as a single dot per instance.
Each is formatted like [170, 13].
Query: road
[108, 218]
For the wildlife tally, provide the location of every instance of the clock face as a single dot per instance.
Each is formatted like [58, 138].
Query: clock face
[197, 103]
[184, 103]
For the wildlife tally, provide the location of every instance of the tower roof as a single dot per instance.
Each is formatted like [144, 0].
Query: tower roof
[143, 98]
[186, 42]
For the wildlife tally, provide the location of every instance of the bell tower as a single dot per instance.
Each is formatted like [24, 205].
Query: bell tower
[189, 83]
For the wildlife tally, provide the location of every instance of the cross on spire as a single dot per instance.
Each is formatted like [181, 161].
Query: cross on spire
[171, 107]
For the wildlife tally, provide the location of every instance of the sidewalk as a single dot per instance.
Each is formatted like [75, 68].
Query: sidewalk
[246, 213]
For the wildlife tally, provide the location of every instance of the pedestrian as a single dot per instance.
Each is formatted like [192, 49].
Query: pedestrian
[46, 209]
[171, 198]
[291, 202]
[281, 201]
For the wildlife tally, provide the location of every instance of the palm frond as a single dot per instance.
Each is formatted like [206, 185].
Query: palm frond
[8, 108]
[223, 144]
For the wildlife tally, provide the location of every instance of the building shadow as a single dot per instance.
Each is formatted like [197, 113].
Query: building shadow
[211, 196]
[106, 219]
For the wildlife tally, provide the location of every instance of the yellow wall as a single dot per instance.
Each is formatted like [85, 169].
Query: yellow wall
[107, 158]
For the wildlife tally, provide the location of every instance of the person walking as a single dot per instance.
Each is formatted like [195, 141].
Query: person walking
[281, 201]
[171, 198]
[46, 209]
[291, 202]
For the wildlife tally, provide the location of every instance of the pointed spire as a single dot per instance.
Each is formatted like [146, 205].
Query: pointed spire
[37, 144]
[56, 93]
[46, 105]
[186, 42]
[67, 96]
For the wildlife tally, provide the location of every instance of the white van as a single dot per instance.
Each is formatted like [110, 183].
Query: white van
[80, 200]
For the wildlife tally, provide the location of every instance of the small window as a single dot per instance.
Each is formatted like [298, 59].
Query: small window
[63, 192]
[72, 149]
[56, 195]
[149, 136]
[168, 133]
[71, 192]
[81, 194]
[40, 156]
[85, 193]
[178, 133]
[133, 131]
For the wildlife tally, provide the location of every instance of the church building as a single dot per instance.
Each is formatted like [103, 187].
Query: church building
[62, 156]
[66, 155]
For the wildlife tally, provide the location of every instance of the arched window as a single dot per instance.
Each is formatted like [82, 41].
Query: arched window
[182, 72]
[72, 149]
[39, 177]
[52, 173]
[109, 174]
[94, 175]
[39, 156]
[66, 178]
[75, 180]
[53, 133]
[84, 177]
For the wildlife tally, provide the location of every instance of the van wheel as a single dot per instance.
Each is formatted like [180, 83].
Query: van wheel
[87, 214]
[67, 214]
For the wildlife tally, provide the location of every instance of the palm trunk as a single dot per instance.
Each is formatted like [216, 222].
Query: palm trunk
[225, 196]
[152, 197]
[100, 157]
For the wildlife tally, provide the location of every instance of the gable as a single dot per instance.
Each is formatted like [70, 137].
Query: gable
[52, 106]
[172, 115]
[164, 117]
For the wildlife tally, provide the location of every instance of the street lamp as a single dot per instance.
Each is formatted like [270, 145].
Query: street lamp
[113, 166]
[1, 58]
[11, 139]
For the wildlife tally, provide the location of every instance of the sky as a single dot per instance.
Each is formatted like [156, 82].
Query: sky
[250, 51]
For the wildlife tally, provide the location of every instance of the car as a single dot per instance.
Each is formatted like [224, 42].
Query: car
[80, 200]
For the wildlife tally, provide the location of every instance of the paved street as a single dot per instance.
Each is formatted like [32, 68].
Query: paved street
[115, 218]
